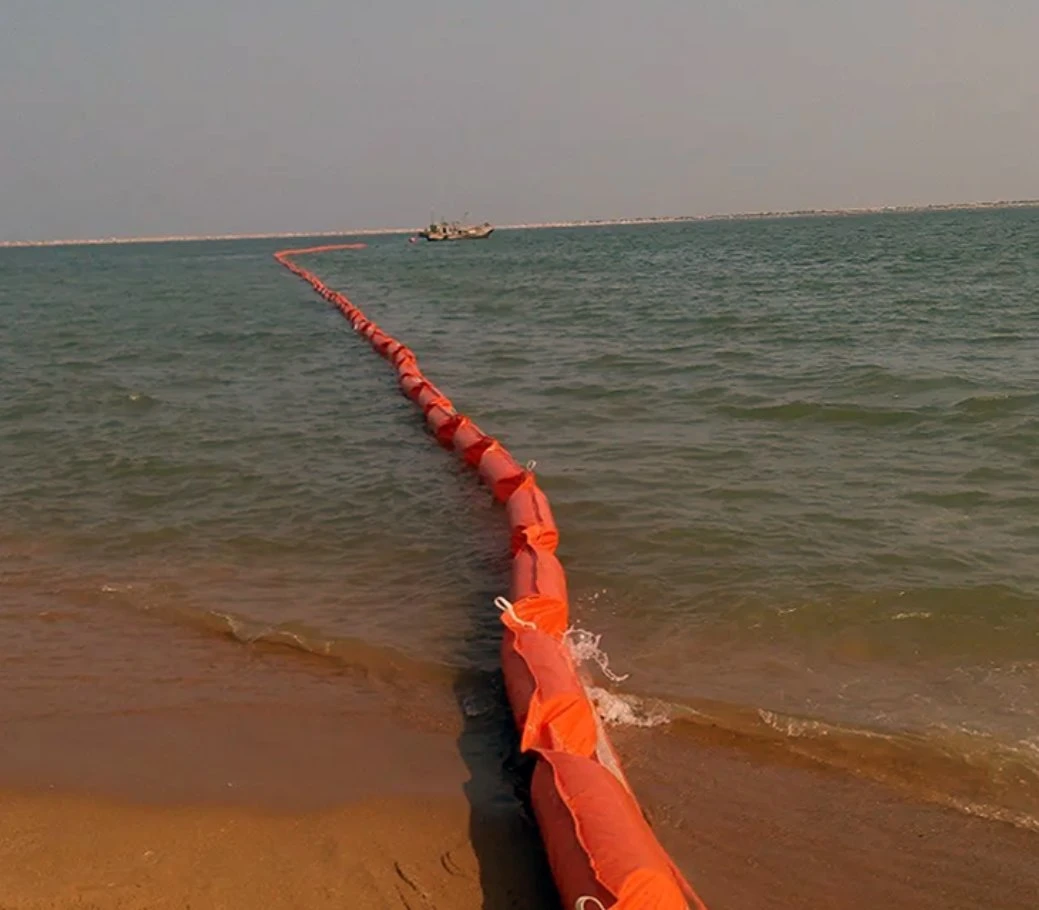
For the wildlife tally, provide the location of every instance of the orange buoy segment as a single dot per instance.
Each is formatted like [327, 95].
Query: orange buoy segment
[442, 420]
[412, 382]
[428, 394]
[498, 469]
[600, 848]
[597, 840]
[537, 575]
[549, 703]
[402, 355]
[470, 442]
[530, 517]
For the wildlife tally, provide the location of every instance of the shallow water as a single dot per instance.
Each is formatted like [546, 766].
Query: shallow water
[793, 463]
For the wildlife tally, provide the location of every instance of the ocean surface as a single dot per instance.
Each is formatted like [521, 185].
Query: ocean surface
[795, 466]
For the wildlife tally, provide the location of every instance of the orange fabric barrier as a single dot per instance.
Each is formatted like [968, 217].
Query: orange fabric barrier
[599, 845]
[406, 365]
[412, 382]
[470, 441]
[403, 355]
[530, 517]
[377, 337]
[386, 347]
[429, 394]
[549, 703]
[602, 853]
[498, 469]
[443, 420]
[539, 583]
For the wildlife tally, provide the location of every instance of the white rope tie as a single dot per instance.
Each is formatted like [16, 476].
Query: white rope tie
[505, 605]
[530, 465]
[587, 901]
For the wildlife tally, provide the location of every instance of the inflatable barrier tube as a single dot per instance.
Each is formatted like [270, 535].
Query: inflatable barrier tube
[443, 421]
[537, 577]
[548, 701]
[412, 382]
[389, 348]
[470, 442]
[499, 471]
[530, 517]
[406, 364]
[403, 355]
[601, 850]
[378, 339]
[428, 394]
[599, 845]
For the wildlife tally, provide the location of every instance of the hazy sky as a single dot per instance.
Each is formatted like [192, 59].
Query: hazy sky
[129, 117]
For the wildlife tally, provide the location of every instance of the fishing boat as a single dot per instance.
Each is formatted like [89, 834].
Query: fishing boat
[456, 230]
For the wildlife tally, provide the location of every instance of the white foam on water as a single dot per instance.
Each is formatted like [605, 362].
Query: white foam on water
[618, 710]
[584, 648]
[613, 708]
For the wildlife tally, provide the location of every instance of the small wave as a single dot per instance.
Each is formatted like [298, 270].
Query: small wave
[584, 648]
[817, 412]
[957, 499]
[879, 379]
[377, 662]
[738, 494]
[613, 708]
[987, 473]
[140, 401]
[619, 710]
[997, 405]
[966, 771]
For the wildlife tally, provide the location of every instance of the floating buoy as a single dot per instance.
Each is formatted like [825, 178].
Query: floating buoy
[601, 850]
[530, 517]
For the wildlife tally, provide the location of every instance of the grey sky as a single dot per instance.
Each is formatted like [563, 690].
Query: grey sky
[124, 117]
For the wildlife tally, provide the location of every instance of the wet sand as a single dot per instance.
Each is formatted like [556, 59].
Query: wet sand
[756, 828]
[260, 776]
[200, 772]
[274, 808]
[74, 852]
[282, 809]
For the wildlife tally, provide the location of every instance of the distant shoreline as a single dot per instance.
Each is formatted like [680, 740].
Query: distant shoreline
[592, 222]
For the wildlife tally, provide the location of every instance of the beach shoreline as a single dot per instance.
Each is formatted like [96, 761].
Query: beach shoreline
[748, 832]
[197, 770]
[306, 786]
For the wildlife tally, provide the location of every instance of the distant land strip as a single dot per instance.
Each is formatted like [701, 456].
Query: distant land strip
[591, 222]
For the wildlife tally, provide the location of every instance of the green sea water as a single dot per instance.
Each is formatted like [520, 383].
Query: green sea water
[794, 465]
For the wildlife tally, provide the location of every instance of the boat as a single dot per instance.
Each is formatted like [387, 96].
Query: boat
[456, 230]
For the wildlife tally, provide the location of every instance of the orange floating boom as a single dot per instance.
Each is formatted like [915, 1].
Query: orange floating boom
[601, 850]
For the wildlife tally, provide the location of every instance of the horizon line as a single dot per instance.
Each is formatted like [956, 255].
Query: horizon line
[584, 222]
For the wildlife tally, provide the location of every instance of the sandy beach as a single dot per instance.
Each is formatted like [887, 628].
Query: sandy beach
[323, 789]
[275, 781]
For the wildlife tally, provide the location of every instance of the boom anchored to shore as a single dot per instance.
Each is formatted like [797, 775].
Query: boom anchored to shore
[601, 850]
